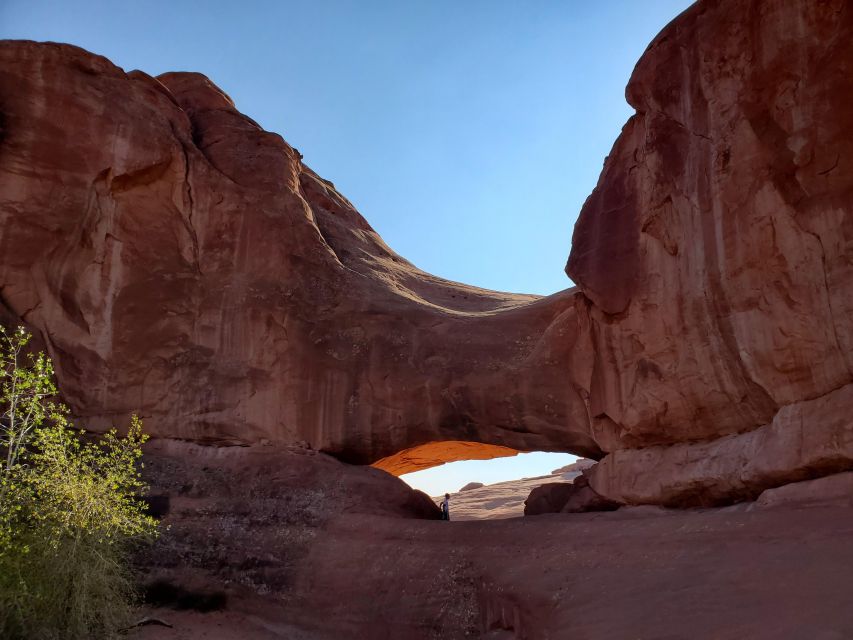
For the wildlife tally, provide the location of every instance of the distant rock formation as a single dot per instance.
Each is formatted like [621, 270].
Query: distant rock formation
[472, 485]
[497, 501]
[575, 467]
[178, 261]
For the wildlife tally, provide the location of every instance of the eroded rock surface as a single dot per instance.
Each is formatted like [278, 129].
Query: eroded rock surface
[774, 573]
[716, 250]
[181, 262]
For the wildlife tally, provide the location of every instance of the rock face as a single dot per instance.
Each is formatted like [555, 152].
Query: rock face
[716, 251]
[567, 497]
[548, 498]
[507, 499]
[805, 439]
[774, 572]
[836, 489]
[179, 261]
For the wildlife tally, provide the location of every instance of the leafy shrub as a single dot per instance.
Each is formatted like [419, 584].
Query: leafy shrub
[69, 511]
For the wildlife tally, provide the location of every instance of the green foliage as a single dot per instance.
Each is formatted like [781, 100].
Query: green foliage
[69, 512]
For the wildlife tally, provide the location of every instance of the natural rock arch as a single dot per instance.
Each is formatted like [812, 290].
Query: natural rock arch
[179, 261]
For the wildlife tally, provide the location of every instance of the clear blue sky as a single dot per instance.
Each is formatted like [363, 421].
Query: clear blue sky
[467, 132]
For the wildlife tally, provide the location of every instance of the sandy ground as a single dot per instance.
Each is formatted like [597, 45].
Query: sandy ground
[642, 574]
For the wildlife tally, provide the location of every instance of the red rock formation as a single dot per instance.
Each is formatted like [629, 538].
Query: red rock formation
[836, 490]
[578, 466]
[179, 261]
[548, 498]
[424, 456]
[567, 497]
[734, 290]
[805, 439]
[726, 306]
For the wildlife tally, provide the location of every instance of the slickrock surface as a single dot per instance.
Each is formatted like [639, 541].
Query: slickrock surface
[178, 261]
[580, 465]
[725, 574]
[269, 542]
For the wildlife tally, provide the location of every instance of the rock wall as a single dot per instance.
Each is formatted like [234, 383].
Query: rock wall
[181, 262]
[716, 250]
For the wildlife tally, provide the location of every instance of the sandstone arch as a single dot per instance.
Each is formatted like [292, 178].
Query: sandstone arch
[433, 454]
[179, 261]
[195, 270]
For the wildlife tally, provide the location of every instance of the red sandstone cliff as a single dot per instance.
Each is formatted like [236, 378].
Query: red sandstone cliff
[179, 261]
[717, 249]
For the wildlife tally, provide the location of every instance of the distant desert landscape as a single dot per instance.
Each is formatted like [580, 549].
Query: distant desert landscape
[505, 499]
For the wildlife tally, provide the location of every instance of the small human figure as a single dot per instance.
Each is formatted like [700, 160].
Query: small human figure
[445, 507]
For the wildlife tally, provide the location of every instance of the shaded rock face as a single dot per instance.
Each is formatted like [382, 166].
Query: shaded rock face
[548, 498]
[716, 247]
[567, 497]
[179, 261]
[716, 250]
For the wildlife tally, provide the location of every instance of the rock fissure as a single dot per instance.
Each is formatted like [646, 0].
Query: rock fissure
[188, 216]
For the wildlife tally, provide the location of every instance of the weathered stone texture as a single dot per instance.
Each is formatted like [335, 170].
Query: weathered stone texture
[181, 262]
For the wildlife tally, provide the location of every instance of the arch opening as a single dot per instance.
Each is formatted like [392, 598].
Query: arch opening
[484, 481]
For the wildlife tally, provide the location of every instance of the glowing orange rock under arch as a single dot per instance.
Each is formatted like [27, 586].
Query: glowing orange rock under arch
[433, 454]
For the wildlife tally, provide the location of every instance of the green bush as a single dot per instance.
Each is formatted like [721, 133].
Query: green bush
[69, 512]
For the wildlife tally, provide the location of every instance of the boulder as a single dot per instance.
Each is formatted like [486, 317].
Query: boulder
[584, 498]
[805, 440]
[836, 489]
[547, 498]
